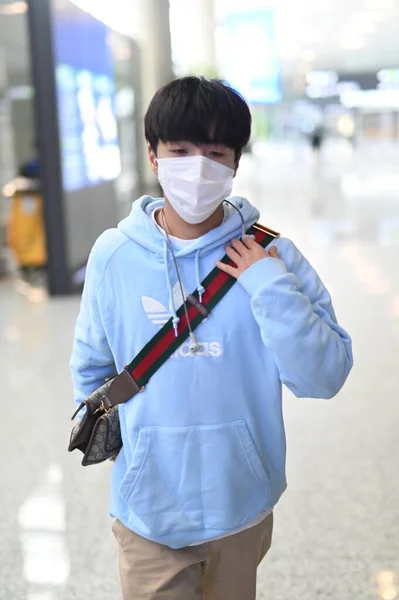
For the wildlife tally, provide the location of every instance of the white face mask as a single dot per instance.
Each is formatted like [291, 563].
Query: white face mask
[194, 185]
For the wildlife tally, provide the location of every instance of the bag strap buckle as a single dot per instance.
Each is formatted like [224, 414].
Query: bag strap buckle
[122, 388]
[102, 408]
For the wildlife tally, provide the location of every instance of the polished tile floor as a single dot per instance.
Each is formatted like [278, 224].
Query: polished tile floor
[337, 527]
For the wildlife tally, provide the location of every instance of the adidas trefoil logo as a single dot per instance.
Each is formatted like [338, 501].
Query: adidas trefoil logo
[157, 312]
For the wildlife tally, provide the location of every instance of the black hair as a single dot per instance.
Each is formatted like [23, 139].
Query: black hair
[200, 111]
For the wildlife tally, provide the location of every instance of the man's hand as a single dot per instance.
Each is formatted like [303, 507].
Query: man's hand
[245, 254]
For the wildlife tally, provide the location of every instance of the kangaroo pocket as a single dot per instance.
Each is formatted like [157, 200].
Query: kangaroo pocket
[196, 478]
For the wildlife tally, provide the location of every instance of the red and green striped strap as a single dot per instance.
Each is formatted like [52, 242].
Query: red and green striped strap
[165, 342]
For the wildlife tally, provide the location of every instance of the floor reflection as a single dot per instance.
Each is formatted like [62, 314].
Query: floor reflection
[388, 585]
[42, 525]
[342, 194]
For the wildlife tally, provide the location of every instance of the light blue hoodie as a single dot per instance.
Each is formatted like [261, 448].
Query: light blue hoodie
[204, 446]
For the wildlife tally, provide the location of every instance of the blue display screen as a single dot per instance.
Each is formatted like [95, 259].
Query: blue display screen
[249, 59]
[86, 100]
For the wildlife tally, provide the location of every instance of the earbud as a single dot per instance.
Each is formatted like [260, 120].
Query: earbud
[194, 345]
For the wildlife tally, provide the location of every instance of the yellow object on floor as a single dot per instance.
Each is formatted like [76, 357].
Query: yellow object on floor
[25, 233]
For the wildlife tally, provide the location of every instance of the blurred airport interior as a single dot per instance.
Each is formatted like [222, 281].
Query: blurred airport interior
[311, 71]
[322, 80]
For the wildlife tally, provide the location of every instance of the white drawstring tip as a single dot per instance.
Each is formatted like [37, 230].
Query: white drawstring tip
[194, 346]
[176, 322]
[201, 291]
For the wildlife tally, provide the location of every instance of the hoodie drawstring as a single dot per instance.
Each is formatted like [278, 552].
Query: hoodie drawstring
[175, 319]
[200, 288]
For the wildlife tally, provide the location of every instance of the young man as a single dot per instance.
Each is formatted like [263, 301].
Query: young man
[203, 458]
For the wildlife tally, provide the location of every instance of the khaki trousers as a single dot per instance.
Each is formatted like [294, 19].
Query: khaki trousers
[221, 570]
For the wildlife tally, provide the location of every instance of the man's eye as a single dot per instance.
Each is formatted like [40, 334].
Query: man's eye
[179, 151]
[217, 154]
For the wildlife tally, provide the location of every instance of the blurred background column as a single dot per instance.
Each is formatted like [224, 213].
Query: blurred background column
[193, 33]
[153, 35]
[156, 45]
[204, 21]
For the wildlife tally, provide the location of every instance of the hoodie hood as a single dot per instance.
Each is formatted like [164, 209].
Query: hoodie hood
[140, 227]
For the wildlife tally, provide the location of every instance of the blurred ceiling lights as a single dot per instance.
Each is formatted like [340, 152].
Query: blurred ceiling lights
[14, 8]
[120, 15]
[380, 4]
[308, 56]
[352, 43]
[328, 33]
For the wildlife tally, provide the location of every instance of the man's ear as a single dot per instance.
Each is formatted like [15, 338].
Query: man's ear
[238, 158]
[153, 159]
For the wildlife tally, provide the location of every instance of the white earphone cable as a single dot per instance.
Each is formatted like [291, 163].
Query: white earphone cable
[194, 346]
